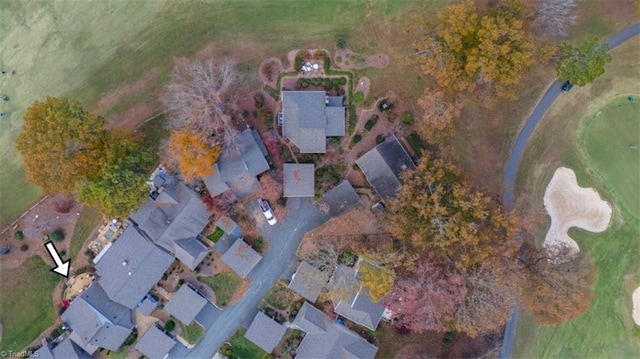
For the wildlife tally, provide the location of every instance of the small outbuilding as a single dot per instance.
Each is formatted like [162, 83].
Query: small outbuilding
[299, 180]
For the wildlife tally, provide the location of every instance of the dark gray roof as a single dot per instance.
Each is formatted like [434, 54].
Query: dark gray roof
[361, 309]
[265, 332]
[176, 213]
[147, 305]
[190, 251]
[327, 339]
[311, 116]
[341, 198]
[308, 281]
[249, 159]
[299, 180]
[155, 343]
[185, 304]
[66, 349]
[383, 166]
[241, 258]
[131, 267]
[96, 321]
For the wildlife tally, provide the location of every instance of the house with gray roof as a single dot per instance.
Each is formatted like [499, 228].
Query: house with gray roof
[146, 305]
[299, 180]
[354, 302]
[186, 304]
[326, 339]
[238, 170]
[155, 343]
[131, 267]
[265, 332]
[229, 226]
[173, 218]
[96, 321]
[383, 166]
[308, 281]
[309, 117]
[66, 349]
[241, 258]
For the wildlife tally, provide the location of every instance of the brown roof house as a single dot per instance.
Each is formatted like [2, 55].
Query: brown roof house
[241, 258]
[326, 339]
[299, 180]
[265, 332]
[309, 117]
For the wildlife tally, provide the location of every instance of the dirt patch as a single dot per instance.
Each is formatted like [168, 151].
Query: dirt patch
[131, 118]
[350, 60]
[570, 205]
[269, 70]
[636, 306]
[42, 219]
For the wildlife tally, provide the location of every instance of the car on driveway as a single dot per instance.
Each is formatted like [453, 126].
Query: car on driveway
[267, 211]
[567, 86]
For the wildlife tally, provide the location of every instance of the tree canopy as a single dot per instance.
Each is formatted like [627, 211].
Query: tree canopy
[189, 153]
[377, 279]
[584, 63]
[61, 143]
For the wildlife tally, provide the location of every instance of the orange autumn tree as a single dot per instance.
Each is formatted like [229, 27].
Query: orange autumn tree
[189, 153]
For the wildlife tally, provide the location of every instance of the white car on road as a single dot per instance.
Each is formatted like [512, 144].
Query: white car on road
[267, 211]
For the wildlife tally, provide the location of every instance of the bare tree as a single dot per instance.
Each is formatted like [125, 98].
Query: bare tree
[554, 17]
[200, 97]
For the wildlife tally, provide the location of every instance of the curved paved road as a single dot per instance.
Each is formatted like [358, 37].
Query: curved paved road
[511, 169]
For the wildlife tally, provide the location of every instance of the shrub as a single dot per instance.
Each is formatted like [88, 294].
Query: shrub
[170, 325]
[348, 258]
[63, 205]
[415, 143]
[259, 100]
[18, 235]
[406, 118]
[57, 235]
[63, 253]
[180, 281]
[131, 338]
[336, 82]
[341, 42]
[258, 245]
[357, 138]
[334, 141]
[353, 118]
[371, 122]
[379, 139]
[327, 84]
[358, 97]
[343, 81]
[338, 59]
[24, 247]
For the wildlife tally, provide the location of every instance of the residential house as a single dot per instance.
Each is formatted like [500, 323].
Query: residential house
[186, 304]
[309, 117]
[96, 321]
[66, 349]
[241, 258]
[146, 305]
[156, 343]
[383, 166]
[326, 339]
[238, 170]
[229, 226]
[131, 267]
[173, 219]
[265, 332]
[308, 281]
[299, 180]
[355, 303]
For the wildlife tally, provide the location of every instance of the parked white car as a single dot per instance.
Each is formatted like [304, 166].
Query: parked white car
[267, 211]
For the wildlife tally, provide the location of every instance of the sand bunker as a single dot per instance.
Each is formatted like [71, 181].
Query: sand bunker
[636, 306]
[570, 205]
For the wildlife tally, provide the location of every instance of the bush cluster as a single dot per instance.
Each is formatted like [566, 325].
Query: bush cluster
[57, 235]
[18, 235]
[263, 112]
[170, 325]
[406, 118]
[415, 143]
[371, 122]
[358, 97]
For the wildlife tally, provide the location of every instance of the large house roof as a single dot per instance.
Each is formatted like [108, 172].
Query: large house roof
[186, 304]
[299, 180]
[383, 166]
[131, 267]
[308, 281]
[190, 251]
[155, 343]
[176, 213]
[265, 332]
[248, 159]
[241, 258]
[97, 321]
[66, 349]
[311, 116]
[327, 339]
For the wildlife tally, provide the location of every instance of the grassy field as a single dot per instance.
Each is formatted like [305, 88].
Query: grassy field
[26, 306]
[562, 139]
[242, 348]
[610, 143]
[224, 285]
[191, 333]
[89, 218]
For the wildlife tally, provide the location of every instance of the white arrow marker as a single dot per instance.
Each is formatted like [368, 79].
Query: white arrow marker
[62, 268]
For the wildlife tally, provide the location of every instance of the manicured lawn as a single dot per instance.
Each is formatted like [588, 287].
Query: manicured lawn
[89, 219]
[610, 142]
[242, 348]
[216, 235]
[191, 333]
[26, 306]
[224, 285]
